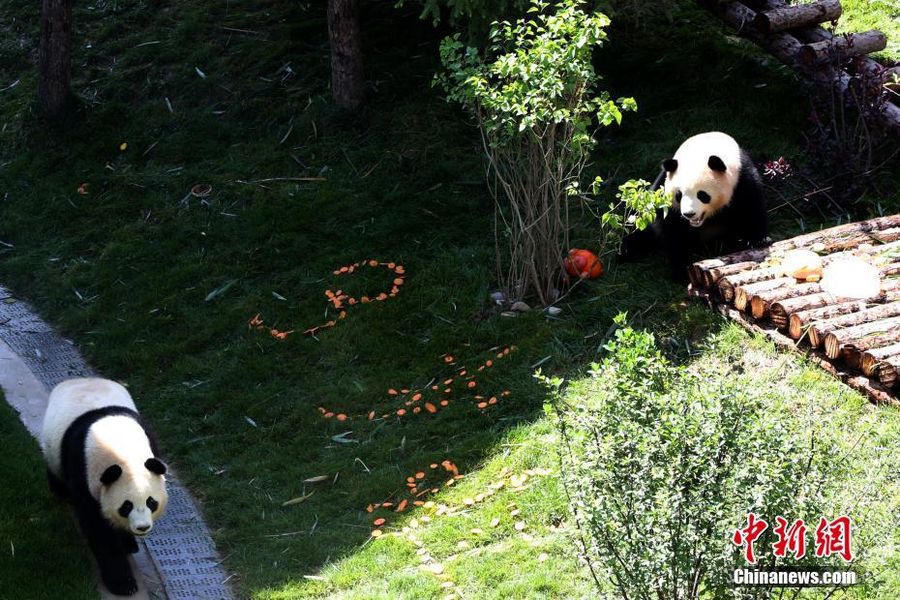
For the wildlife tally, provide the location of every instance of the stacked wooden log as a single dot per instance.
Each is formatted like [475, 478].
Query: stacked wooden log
[862, 333]
[791, 33]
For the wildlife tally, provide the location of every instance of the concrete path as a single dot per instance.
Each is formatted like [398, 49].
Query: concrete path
[178, 561]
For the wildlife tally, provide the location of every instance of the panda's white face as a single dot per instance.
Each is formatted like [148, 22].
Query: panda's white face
[133, 500]
[701, 177]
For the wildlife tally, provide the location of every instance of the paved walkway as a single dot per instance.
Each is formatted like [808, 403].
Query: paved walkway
[178, 561]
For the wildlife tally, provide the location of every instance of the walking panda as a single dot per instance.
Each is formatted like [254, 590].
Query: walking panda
[717, 196]
[104, 461]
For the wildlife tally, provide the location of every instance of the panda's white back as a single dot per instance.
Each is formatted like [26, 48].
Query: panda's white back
[71, 399]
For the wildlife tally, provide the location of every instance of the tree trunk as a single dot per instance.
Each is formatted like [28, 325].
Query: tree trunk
[744, 293]
[54, 60]
[798, 15]
[729, 283]
[854, 44]
[760, 301]
[870, 360]
[780, 311]
[819, 329]
[802, 319]
[347, 83]
[842, 237]
[862, 336]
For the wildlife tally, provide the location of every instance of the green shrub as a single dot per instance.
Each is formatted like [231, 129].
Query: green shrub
[662, 465]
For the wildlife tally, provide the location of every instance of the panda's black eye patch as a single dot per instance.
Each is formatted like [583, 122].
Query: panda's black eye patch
[703, 197]
[678, 196]
[125, 509]
[152, 504]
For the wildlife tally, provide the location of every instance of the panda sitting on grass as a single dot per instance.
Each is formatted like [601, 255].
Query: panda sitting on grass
[104, 461]
[717, 196]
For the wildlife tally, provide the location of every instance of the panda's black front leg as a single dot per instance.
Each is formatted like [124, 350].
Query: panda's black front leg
[129, 544]
[106, 546]
[57, 485]
[675, 242]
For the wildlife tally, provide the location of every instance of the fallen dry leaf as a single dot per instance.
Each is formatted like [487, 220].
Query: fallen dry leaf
[297, 500]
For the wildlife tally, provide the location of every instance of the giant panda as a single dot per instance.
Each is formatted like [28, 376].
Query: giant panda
[716, 195]
[104, 461]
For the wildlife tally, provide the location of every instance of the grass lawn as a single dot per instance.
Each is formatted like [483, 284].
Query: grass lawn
[883, 15]
[157, 287]
[43, 555]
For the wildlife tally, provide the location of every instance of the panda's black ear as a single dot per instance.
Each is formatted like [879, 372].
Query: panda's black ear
[154, 465]
[111, 474]
[670, 165]
[715, 163]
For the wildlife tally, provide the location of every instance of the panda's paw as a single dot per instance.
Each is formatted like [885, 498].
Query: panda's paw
[120, 584]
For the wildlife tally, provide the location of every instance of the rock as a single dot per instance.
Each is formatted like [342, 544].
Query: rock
[520, 307]
[499, 298]
[553, 311]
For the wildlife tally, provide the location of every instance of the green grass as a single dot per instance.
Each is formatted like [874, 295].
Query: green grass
[42, 555]
[126, 270]
[502, 563]
[883, 15]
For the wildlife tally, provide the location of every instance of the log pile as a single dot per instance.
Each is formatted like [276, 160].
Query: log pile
[792, 33]
[856, 335]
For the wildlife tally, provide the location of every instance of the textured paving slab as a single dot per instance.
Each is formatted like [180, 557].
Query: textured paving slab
[178, 561]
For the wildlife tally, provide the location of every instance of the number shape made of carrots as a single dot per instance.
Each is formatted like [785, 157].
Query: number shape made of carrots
[340, 300]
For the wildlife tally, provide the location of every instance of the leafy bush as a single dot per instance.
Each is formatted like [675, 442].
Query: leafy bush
[634, 210]
[662, 465]
[533, 95]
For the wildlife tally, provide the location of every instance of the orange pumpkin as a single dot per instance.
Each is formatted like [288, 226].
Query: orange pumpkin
[583, 263]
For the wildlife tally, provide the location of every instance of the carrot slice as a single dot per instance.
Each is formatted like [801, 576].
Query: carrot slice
[445, 402]
[430, 407]
[379, 522]
[402, 506]
[341, 417]
[420, 475]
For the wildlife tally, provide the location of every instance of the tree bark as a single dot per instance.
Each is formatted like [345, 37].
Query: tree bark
[851, 353]
[760, 302]
[54, 58]
[854, 44]
[820, 329]
[797, 15]
[347, 83]
[842, 237]
[870, 359]
[729, 283]
[743, 294]
[717, 273]
[860, 334]
[799, 320]
[780, 311]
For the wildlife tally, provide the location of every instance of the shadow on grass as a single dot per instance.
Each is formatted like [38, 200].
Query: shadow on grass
[236, 98]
